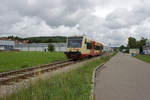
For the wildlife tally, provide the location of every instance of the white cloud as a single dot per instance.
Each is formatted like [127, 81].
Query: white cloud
[106, 21]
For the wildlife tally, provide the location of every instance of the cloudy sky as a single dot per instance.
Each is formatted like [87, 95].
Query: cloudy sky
[106, 21]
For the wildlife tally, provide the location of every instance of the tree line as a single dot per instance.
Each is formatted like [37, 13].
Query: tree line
[53, 39]
[134, 44]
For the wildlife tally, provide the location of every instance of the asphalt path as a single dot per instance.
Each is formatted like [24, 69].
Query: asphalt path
[123, 78]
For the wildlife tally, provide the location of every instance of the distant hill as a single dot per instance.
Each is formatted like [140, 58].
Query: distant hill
[53, 39]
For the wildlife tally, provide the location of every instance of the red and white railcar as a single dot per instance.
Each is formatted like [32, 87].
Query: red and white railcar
[81, 47]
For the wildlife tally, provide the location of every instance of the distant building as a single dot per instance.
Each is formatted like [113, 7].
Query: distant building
[59, 47]
[107, 49]
[32, 47]
[135, 51]
[3, 38]
[7, 45]
[146, 48]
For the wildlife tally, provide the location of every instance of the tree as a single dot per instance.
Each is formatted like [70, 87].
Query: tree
[141, 43]
[127, 50]
[132, 42]
[115, 49]
[122, 47]
[51, 47]
[49, 41]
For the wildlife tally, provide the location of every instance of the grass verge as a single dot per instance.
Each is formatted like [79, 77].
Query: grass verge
[145, 58]
[18, 60]
[72, 85]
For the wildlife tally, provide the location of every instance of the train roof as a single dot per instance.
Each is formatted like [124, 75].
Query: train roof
[88, 39]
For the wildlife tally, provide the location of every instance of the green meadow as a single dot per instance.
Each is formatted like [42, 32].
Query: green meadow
[145, 58]
[17, 60]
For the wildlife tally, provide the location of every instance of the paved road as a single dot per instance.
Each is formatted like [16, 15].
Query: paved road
[123, 78]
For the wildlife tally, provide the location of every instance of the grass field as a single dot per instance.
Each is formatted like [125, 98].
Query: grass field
[145, 58]
[73, 85]
[17, 60]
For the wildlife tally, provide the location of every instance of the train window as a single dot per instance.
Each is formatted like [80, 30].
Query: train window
[97, 47]
[89, 45]
[75, 42]
[101, 47]
[85, 41]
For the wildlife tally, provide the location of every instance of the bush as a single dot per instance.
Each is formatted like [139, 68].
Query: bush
[51, 47]
[25, 66]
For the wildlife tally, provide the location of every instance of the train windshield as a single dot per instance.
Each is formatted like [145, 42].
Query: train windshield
[75, 42]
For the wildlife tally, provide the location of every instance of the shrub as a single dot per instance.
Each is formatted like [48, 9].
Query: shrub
[51, 47]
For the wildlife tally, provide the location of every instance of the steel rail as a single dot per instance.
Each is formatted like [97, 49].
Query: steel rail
[16, 75]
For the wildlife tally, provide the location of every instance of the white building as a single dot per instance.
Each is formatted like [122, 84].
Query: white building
[59, 47]
[134, 51]
[107, 49]
[146, 48]
[7, 45]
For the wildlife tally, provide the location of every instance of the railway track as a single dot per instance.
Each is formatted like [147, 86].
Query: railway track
[18, 75]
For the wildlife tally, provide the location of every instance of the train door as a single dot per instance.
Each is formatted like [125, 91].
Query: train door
[92, 49]
[101, 49]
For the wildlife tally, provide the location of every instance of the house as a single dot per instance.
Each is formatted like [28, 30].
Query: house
[7, 45]
[146, 48]
[134, 51]
[59, 47]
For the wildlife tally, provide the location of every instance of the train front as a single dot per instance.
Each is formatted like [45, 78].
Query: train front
[74, 47]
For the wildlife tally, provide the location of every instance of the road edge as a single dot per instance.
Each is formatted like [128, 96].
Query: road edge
[92, 96]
